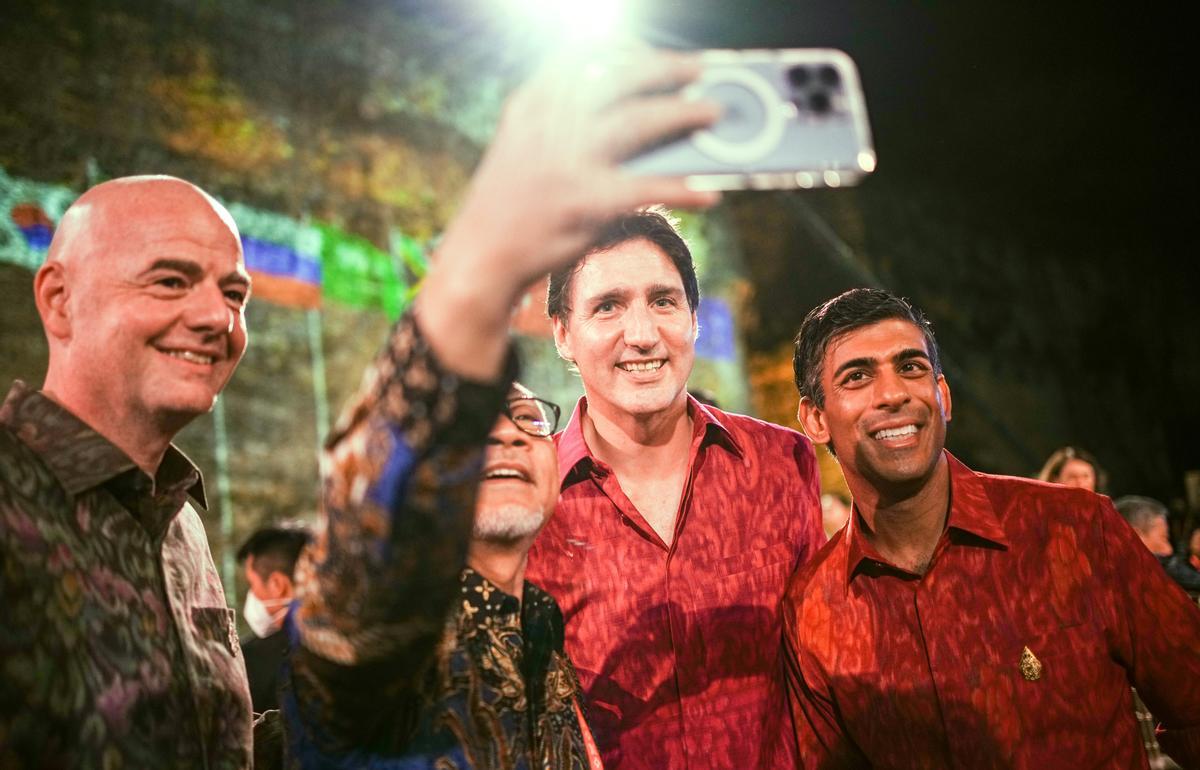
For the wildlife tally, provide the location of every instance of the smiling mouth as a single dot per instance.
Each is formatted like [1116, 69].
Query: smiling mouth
[642, 366]
[189, 356]
[505, 473]
[886, 433]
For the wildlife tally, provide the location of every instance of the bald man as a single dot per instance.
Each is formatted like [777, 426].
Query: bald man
[117, 647]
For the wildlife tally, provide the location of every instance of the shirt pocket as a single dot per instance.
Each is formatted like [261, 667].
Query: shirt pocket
[216, 625]
[771, 556]
[756, 577]
[1062, 681]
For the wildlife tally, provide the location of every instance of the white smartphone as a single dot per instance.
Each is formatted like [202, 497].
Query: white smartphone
[794, 118]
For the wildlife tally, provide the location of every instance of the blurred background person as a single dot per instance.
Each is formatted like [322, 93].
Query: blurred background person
[1075, 467]
[835, 512]
[1148, 517]
[1193, 552]
[269, 559]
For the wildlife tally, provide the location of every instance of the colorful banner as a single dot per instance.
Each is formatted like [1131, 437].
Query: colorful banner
[717, 340]
[28, 214]
[282, 255]
[355, 273]
[293, 263]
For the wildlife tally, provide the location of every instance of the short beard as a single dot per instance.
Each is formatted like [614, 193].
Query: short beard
[508, 523]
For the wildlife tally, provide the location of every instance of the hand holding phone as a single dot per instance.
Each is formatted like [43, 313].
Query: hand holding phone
[792, 118]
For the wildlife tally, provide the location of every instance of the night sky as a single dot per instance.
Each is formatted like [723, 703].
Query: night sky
[1058, 125]
[1061, 135]
[1041, 112]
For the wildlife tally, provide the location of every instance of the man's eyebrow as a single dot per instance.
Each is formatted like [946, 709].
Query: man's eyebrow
[664, 289]
[194, 271]
[186, 266]
[909, 354]
[612, 295]
[855, 363]
[236, 276]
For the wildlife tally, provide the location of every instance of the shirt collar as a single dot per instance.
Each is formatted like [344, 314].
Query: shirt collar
[485, 599]
[707, 427]
[971, 511]
[78, 456]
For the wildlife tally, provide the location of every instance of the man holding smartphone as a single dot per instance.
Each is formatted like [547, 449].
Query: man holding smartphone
[401, 658]
[678, 524]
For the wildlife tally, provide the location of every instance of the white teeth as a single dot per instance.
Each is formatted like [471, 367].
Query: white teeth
[188, 355]
[648, 366]
[504, 473]
[907, 430]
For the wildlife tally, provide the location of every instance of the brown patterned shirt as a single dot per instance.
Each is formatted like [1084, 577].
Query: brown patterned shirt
[403, 659]
[117, 649]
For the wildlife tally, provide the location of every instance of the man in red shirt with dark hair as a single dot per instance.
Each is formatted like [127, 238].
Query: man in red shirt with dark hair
[960, 619]
[678, 524]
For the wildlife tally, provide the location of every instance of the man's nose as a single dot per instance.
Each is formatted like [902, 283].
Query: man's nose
[208, 309]
[506, 433]
[641, 330]
[890, 389]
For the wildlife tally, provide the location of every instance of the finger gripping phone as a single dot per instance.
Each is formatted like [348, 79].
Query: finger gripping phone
[793, 118]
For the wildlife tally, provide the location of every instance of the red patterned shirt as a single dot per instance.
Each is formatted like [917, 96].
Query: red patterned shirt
[1016, 649]
[678, 647]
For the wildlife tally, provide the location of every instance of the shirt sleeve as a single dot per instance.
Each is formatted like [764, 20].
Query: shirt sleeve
[821, 742]
[399, 476]
[1155, 628]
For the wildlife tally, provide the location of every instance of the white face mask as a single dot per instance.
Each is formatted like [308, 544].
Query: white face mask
[264, 618]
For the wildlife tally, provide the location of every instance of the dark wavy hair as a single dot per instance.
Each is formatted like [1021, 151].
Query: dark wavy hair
[846, 312]
[653, 224]
[275, 549]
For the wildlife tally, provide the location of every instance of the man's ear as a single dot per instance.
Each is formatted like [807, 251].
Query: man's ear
[560, 339]
[944, 392]
[812, 419]
[279, 585]
[50, 293]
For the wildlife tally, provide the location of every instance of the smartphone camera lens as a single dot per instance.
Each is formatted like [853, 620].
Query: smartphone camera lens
[799, 77]
[819, 102]
[828, 76]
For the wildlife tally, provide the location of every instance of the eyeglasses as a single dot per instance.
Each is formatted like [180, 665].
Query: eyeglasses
[536, 416]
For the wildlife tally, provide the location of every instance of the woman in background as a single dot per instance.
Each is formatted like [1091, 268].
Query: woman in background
[1075, 467]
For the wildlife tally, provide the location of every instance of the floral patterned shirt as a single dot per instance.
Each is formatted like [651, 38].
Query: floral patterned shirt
[117, 649]
[1016, 649]
[402, 659]
[677, 645]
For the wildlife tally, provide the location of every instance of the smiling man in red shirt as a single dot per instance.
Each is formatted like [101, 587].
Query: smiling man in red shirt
[960, 619]
[678, 524]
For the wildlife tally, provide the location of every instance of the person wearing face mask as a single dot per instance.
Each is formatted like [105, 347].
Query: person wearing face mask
[269, 558]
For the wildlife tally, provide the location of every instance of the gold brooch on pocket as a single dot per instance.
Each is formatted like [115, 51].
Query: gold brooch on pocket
[1031, 667]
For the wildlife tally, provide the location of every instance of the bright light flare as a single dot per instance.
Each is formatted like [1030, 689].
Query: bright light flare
[568, 22]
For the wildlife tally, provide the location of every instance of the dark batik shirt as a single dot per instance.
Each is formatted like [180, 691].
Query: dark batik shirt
[677, 646]
[403, 660]
[116, 647]
[1016, 649]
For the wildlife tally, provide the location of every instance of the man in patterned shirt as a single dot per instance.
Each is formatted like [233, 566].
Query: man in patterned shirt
[118, 649]
[961, 619]
[379, 677]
